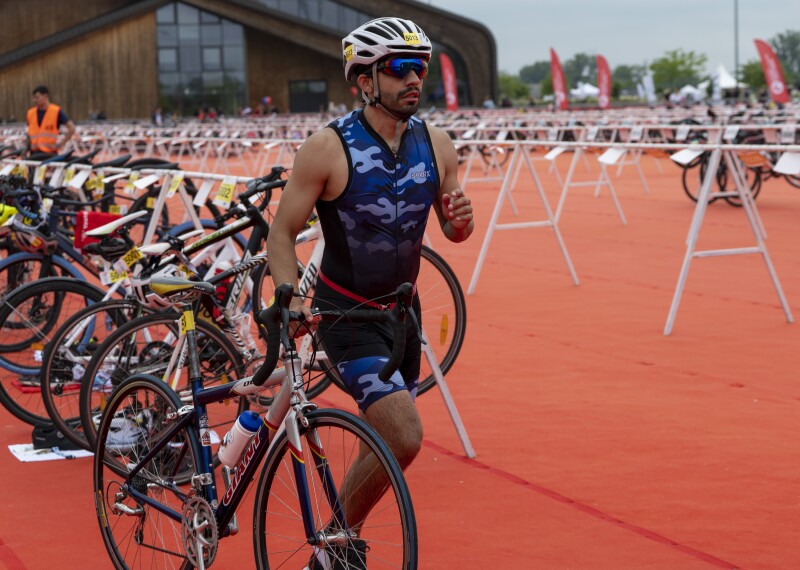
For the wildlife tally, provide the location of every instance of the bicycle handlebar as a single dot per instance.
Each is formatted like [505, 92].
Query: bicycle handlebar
[277, 316]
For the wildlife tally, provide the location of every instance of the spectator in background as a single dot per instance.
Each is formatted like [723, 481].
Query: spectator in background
[156, 117]
[45, 120]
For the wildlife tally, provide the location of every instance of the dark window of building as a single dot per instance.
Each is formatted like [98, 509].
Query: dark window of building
[212, 59]
[201, 61]
[166, 15]
[328, 13]
[308, 96]
[167, 59]
[188, 14]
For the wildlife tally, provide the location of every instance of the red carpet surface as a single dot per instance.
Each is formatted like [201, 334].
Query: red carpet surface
[602, 443]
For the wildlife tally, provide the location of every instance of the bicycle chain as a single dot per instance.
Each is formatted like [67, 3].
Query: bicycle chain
[165, 551]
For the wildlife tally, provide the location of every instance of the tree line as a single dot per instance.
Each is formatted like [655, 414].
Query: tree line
[671, 71]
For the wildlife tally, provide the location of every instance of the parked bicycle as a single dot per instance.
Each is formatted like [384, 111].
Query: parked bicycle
[155, 488]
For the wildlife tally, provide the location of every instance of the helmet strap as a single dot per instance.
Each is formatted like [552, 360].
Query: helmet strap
[375, 101]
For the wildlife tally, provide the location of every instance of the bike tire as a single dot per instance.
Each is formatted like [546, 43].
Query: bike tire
[65, 358]
[24, 399]
[125, 435]
[334, 438]
[106, 369]
[754, 181]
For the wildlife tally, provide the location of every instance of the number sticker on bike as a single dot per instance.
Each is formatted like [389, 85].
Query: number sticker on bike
[38, 178]
[132, 257]
[129, 186]
[187, 322]
[174, 184]
[112, 276]
[96, 185]
[225, 192]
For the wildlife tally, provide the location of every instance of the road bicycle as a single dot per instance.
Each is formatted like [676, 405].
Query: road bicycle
[156, 494]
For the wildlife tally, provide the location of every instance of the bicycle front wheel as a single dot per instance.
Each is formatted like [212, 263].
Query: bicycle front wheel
[346, 464]
[136, 532]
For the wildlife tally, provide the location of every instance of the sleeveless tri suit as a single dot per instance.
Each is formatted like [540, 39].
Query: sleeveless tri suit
[373, 238]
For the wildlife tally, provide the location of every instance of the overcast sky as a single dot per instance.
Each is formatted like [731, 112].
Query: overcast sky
[625, 31]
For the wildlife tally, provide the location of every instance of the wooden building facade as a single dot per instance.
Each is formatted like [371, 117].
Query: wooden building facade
[124, 58]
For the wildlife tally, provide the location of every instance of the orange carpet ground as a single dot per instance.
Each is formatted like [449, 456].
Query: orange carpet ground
[601, 443]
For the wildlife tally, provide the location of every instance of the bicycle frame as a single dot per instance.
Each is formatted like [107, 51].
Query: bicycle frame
[286, 409]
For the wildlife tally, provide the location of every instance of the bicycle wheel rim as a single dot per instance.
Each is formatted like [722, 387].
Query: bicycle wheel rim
[130, 351]
[20, 390]
[139, 414]
[67, 355]
[279, 536]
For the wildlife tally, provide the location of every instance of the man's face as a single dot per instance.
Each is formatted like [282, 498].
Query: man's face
[401, 84]
[41, 100]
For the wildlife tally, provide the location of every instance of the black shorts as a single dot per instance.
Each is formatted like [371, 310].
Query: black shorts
[359, 350]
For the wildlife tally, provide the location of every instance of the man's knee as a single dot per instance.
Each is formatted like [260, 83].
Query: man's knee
[396, 419]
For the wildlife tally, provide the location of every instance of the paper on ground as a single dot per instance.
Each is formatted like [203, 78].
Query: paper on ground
[26, 453]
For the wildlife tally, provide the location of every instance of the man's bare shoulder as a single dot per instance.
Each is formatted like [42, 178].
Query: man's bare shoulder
[323, 141]
[439, 136]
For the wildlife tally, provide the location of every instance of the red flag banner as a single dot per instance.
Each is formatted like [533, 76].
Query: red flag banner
[603, 83]
[559, 83]
[772, 73]
[449, 80]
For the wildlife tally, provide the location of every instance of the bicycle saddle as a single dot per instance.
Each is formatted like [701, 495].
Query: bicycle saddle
[110, 248]
[119, 161]
[174, 286]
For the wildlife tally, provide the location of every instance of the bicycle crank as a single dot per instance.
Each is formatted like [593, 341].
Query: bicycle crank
[200, 534]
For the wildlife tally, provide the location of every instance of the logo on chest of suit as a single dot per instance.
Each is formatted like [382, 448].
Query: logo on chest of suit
[423, 174]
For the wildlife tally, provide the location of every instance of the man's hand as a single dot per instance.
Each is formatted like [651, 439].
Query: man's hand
[299, 329]
[457, 209]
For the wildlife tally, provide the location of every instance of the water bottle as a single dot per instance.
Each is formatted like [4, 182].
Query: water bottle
[236, 440]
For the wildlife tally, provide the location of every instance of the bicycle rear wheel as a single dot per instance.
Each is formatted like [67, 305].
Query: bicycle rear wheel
[67, 355]
[334, 439]
[444, 314]
[29, 316]
[145, 346]
[136, 533]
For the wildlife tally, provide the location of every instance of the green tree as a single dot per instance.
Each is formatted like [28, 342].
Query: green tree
[582, 67]
[628, 76]
[753, 75]
[546, 86]
[678, 68]
[535, 72]
[787, 48]
[512, 86]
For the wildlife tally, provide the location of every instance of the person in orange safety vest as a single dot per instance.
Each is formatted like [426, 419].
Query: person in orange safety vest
[45, 120]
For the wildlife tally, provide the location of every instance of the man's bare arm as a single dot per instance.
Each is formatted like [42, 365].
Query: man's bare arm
[306, 184]
[452, 207]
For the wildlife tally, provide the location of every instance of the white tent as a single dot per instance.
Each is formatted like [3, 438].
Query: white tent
[726, 80]
[690, 92]
[584, 91]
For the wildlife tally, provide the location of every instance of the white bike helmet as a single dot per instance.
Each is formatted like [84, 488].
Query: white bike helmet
[371, 42]
[145, 295]
[31, 239]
